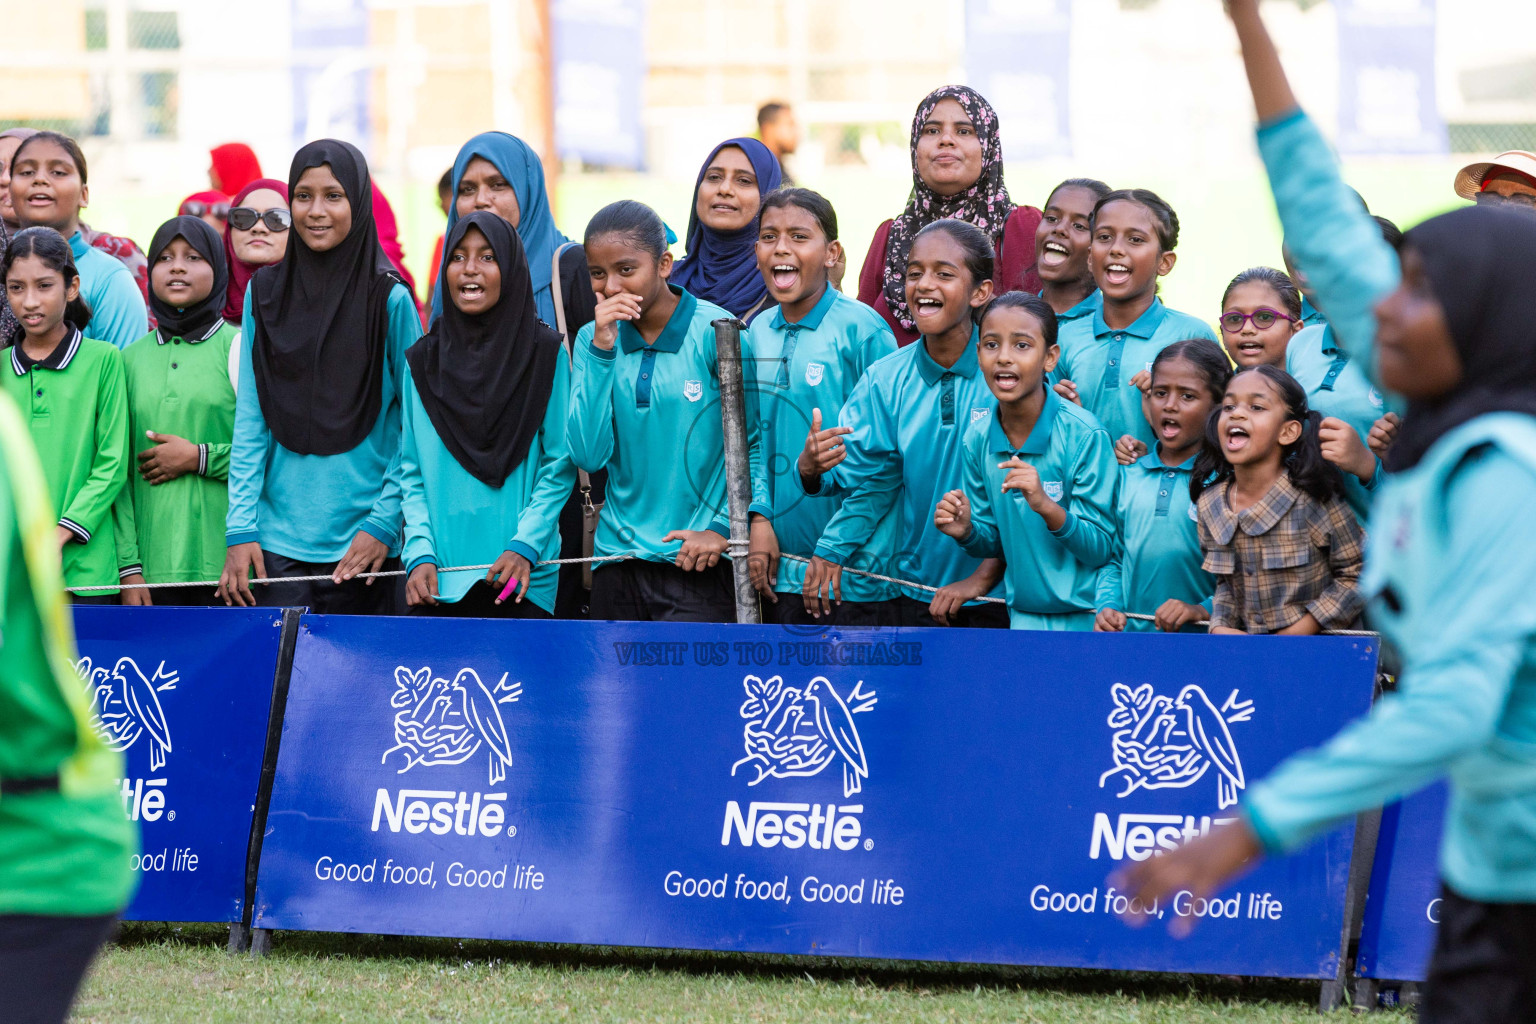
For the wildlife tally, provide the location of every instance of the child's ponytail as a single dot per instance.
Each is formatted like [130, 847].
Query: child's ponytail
[1304, 458]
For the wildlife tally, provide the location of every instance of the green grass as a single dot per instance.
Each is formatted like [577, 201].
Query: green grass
[165, 975]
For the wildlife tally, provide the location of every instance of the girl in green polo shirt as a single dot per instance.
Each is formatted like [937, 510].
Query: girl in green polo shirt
[181, 415]
[70, 389]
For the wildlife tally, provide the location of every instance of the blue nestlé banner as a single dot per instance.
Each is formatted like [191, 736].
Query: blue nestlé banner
[922, 794]
[184, 693]
[1402, 906]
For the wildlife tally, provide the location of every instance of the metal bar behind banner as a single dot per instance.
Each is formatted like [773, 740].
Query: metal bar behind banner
[240, 933]
[738, 474]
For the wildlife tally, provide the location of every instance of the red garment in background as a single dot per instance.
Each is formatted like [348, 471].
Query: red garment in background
[1015, 267]
[208, 197]
[128, 254]
[236, 166]
[389, 239]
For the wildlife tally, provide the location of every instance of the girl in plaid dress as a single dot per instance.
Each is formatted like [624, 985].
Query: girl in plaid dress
[1284, 548]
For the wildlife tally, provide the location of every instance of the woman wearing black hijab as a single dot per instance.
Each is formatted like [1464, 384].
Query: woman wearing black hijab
[181, 418]
[1449, 571]
[314, 483]
[485, 469]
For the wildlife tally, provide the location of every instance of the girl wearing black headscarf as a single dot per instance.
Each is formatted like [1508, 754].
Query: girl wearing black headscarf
[314, 486]
[181, 419]
[1448, 574]
[485, 469]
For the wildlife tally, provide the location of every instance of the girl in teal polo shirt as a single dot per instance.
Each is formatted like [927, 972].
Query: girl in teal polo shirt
[1062, 244]
[485, 468]
[645, 406]
[1105, 356]
[899, 446]
[814, 346]
[1448, 574]
[1157, 570]
[1041, 481]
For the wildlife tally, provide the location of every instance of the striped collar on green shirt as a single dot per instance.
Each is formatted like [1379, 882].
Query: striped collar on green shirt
[58, 359]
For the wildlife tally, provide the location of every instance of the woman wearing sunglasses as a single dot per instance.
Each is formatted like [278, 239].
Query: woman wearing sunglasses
[1261, 324]
[210, 207]
[256, 236]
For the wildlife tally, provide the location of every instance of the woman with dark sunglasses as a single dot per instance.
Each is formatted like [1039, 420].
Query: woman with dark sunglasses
[210, 207]
[256, 236]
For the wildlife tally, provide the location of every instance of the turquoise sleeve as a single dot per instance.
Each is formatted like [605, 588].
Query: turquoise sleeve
[538, 525]
[985, 540]
[868, 480]
[249, 448]
[589, 433]
[1453, 693]
[1092, 529]
[413, 490]
[383, 522]
[1333, 240]
[120, 316]
[1108, 593]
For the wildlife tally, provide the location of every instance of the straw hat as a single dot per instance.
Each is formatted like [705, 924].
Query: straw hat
[1469, 180]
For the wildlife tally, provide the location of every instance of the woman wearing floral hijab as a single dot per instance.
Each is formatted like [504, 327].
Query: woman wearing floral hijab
[957, 172]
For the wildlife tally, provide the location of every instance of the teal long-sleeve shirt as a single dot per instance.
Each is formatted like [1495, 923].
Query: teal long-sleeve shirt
[1052, 574]
[1333, 240]
[804, 366]
[650, 414]
[118, 315]
[1449, 572]
[909, 416]
[1101, 361]
[310, 507]
[1160, 555]
[453, 518]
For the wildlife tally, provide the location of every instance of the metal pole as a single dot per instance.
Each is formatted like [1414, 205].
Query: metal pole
[738, 475]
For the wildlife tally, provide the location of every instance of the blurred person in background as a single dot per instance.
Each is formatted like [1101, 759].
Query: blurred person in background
[1508, 180]
[389, 240]
[721, 263]
[232, 166]
[181, 416]
[65, 843]
[314, 484]
[256, 236]
[780, 132]
[957, 172]
[444, 200]
[49, 189]
[10, 140]
[210, 206]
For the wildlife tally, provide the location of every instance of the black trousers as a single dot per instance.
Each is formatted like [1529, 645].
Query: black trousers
[1484, 967]
[479, 602]
[789, 610]
[42, 962]
[94, 598]
[976, 616]
[572, 598]
[354, 597]
[640, 591]
[190, 597]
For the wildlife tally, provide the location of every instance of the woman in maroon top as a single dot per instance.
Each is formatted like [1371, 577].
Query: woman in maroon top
[957, 171]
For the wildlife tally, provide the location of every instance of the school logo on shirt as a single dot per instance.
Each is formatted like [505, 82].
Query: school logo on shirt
[1053, 489]
[1194, 513]
[693, 390]
[442, 722]
[814, 373]
[1377, 401]
[1164, 742]
[977, 415]
[125, 704]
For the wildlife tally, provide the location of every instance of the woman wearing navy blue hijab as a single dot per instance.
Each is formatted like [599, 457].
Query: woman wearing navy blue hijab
[721, 265]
